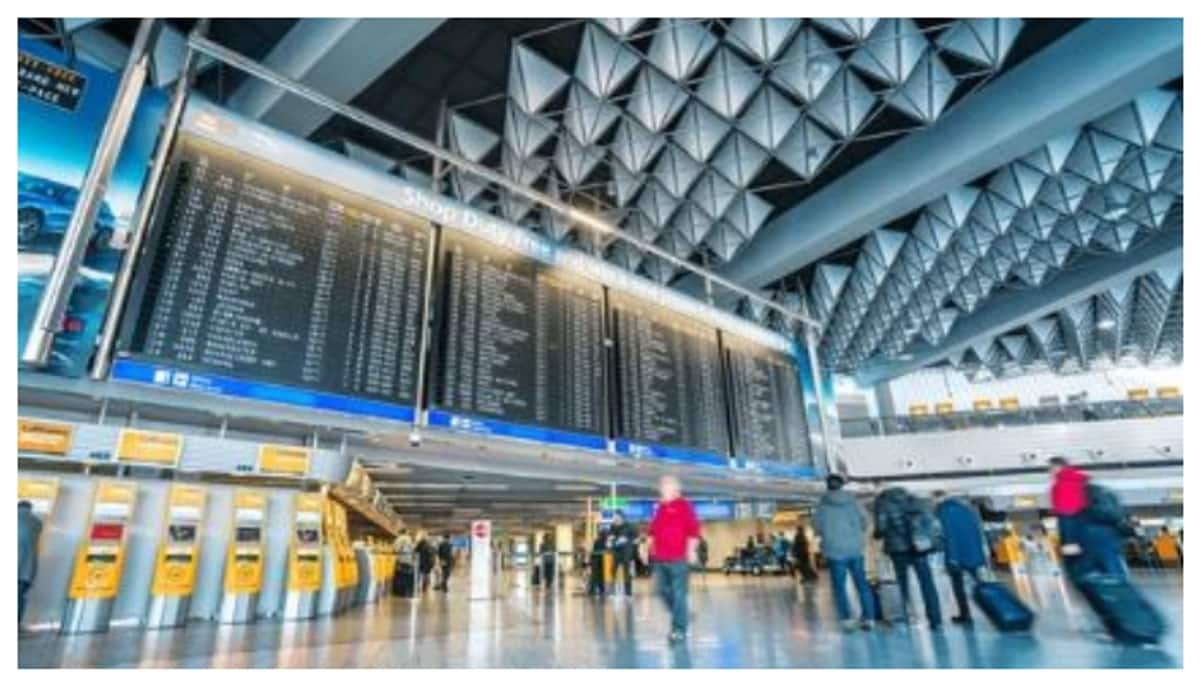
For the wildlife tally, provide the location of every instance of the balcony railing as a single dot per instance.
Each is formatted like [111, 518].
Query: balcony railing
[1045, 414]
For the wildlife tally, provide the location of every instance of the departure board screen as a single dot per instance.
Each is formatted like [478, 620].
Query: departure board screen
[518, 341]
[258, 272]
[767, 403]
[668, 378]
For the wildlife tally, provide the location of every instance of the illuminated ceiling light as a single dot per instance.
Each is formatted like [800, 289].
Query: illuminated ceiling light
[1106, 324]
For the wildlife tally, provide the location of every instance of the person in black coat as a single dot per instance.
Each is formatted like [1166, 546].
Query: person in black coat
[624, 545]
[445, 554]
[425, 554]
[800, 551]
[596, 564]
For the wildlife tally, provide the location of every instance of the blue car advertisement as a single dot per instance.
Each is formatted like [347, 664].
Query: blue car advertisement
[61, 109]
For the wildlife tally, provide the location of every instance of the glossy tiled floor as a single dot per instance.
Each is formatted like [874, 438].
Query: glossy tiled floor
[768, 622]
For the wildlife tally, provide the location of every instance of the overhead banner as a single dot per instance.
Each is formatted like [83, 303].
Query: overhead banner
[290, 460]
[62, 105]
[149, 447]
[47, 438]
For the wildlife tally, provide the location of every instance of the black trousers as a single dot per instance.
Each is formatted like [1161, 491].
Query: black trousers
[957, 583]
[623, 570]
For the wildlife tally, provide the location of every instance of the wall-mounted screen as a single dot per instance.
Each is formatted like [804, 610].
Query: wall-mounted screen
[519, 345]
[259, 273]
[668, 383]
[766, 403]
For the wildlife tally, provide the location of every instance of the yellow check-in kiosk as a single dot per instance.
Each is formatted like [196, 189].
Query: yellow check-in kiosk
[245, 559]
[339, 584]
[304, 557]
[178, 557]
[100, 559]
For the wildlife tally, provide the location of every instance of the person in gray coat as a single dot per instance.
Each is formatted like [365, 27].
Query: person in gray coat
[842, 525]
[29, 530]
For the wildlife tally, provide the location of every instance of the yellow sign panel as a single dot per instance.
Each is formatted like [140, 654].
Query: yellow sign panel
[918, 410]
[49, 438]
[283, 459]
[149, 447]
[1025, 502]
[945, 408]
[1169, 392]
[250, 500]
[37, 489]
[1138, 393]
[1010, 403]
[982, 404]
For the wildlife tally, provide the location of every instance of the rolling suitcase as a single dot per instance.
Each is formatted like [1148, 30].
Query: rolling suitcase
[889, 602]
[1002, 607]
[1122, 608]
[537, 575]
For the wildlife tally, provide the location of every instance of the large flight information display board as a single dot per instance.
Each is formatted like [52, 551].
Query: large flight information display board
[519, 342]
[258, 273]
[767, 403]
[668, 379]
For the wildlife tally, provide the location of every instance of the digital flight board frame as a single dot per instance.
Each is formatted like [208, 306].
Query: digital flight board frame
[208, 121]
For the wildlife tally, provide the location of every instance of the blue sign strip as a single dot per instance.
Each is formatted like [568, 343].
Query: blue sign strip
[643, 510]
[186, 380]
[492, 427]
[672, 453]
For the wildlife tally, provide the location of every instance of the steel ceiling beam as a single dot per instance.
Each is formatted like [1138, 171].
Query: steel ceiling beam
[1013, 309]
[338, 57]
[1091, 70]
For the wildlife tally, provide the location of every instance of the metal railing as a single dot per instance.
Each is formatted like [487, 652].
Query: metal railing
[994, 419]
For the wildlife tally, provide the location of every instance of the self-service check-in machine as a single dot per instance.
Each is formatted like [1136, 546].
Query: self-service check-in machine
[304, 557]
[178, 557]
[100, 559]
[246, 558]
[340, 581]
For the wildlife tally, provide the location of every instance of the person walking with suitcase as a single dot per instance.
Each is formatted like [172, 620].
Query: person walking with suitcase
[842, 526]
[963, 546]
[910, 532]
[674, 536]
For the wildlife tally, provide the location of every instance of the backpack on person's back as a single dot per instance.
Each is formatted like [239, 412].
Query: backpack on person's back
[924, 528]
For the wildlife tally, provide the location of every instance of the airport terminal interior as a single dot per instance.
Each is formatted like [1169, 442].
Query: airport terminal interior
[600, 343]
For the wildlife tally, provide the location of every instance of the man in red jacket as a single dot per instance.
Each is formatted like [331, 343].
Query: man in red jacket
[674, 535]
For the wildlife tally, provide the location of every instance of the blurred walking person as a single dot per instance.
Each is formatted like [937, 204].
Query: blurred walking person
[962, 540]
[674, 538]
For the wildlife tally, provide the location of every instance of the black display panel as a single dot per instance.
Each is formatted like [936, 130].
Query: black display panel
[766, 403]
[668, 378]
[258, 272]
[517, 341]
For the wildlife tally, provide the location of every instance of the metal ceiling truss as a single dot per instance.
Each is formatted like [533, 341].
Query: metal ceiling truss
[1137, 322]
[1099, 188]
[666, 126]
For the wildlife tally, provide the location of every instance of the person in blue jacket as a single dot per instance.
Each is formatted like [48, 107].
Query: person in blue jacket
[962, 538]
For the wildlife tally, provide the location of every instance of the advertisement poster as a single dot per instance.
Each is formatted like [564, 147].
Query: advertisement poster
[61, 109]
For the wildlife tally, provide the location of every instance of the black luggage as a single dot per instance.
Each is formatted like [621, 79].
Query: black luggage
[889, 602]
[1002, 607]
[1125, 612]
[404, 582]
[537, 575]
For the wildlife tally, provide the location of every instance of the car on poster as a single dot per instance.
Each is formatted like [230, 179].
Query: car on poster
[62, 105]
